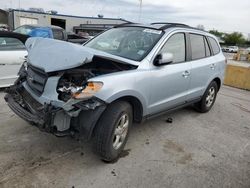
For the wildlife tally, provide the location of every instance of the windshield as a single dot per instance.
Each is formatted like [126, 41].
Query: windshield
[128, 42]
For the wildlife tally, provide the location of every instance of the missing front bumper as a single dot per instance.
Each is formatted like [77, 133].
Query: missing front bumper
[41, 116]
[81, 116]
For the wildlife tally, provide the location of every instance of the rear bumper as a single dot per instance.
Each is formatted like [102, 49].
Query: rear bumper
[80, 119]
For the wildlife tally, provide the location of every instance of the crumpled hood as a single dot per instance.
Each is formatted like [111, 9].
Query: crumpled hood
[55, 55]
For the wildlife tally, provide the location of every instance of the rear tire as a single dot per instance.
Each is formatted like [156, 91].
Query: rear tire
[208, 99]
[111, 133]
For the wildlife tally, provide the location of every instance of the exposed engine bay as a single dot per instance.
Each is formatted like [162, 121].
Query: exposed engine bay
[75, 80]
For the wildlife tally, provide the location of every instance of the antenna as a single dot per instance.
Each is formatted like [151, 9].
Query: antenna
[140, 11]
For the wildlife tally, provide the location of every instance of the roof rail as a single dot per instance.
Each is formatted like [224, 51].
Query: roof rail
[123, 24]
[162, 25]
[168, 25]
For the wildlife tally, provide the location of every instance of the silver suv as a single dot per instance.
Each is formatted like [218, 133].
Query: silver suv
[127, 74]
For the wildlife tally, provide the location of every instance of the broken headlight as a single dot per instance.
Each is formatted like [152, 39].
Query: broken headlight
[79, 92]
[74, 84]
[91, 89]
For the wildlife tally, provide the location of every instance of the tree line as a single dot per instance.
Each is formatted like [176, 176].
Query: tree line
[235, 38]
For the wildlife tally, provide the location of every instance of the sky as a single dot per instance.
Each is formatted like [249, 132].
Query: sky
[223, 15]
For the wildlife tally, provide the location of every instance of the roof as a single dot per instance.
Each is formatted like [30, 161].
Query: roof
[3, 11]
[41, 26]
[19, 36]
[34, 12]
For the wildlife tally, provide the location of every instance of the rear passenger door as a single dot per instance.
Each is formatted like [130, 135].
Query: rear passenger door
[202, 65]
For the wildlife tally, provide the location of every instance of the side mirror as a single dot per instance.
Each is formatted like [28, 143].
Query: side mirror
[163, 59]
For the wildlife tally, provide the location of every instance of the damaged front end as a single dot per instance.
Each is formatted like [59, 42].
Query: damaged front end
[76, 117]
[53, 91]
[74, 111]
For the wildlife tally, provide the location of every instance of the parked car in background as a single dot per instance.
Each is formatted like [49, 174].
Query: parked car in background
[75, 38]
[248, 50]
[53, 32]
[12, 56]
[231, 49]
[126, 74]
[13, 51]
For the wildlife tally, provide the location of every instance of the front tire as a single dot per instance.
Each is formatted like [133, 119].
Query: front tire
[112, 130]
[208, 99]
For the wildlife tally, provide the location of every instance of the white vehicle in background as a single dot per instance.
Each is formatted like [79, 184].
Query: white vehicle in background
[248, 50]
[231, 49]
[12, 56]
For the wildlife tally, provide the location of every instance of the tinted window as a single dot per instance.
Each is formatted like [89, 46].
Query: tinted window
[198, 47]
[208, 52]
[57, 34]
[214, 44]
[176, 46]
[10, 44]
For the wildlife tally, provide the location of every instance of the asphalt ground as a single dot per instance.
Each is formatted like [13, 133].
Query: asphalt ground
[195, 150]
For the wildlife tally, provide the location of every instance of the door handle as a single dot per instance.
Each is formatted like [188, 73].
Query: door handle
[186, 74]
[212, 66]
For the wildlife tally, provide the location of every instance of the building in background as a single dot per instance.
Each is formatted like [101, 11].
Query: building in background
[91, 25]
[4, 20]
[3, 17]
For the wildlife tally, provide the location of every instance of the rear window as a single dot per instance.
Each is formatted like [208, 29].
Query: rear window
[197, 46]
[214, 45]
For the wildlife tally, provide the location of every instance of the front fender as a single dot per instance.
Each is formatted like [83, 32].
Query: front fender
[126, 84]
[129, 93]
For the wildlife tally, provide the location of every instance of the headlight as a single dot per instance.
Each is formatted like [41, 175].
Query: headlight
[88, 91]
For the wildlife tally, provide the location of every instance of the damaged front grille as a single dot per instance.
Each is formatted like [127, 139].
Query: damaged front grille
[30, 100]
[36, 79]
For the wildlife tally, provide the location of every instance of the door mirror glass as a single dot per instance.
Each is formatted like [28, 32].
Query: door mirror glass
[163, 59]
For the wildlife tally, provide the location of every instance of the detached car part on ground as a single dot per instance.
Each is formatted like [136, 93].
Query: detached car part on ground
[125, 75]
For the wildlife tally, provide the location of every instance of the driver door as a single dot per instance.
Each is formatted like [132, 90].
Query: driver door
[170, 83]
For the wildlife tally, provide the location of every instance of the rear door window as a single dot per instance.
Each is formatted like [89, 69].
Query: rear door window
[197, 46]
[214, 44]
[7, 43]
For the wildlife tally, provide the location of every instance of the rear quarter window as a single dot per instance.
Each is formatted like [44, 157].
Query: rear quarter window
[214, 45]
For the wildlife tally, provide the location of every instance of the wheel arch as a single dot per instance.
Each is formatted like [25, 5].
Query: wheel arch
[136, 104]
[218, 82]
